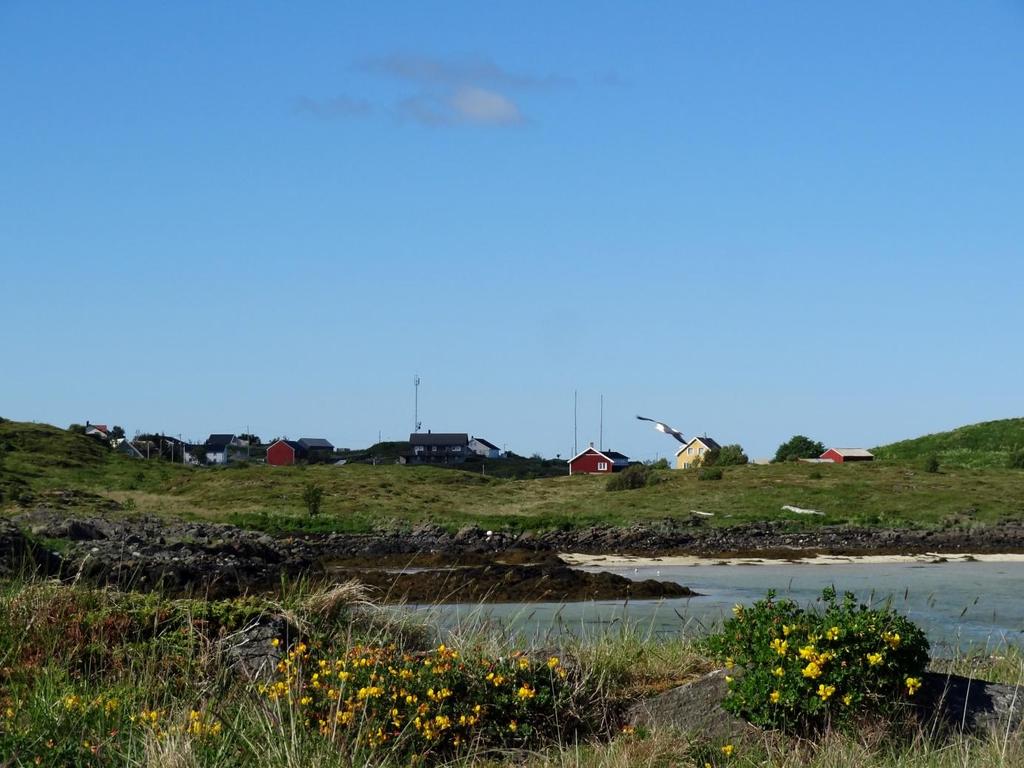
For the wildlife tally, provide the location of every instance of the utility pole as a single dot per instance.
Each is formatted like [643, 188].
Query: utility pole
[416, 403]
[575, 430]
[600, 429]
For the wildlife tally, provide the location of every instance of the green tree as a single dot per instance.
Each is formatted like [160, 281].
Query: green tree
[117, 433]
[313, 496]
[725, 456]
[799, 447]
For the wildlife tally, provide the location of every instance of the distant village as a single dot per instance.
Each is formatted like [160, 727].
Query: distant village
[438, 448]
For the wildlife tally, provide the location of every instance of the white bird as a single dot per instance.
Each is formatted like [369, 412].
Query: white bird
[661, 427]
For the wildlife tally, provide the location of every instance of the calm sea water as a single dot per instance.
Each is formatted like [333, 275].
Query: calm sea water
[963, 604]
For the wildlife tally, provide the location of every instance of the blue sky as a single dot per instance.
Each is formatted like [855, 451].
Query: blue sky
[746, 219]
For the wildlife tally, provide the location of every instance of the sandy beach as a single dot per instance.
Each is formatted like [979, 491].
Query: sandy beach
[577, 559]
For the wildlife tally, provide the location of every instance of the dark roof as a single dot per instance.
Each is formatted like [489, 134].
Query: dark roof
[219, 442]
[438, 438]
[615, 455]
[488, 443]
[316, 442]
[708, 441]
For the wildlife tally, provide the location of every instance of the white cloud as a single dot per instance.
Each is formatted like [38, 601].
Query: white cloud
[477, 105]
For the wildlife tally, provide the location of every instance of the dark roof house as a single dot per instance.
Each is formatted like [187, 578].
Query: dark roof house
[315, 444]
[437, 448]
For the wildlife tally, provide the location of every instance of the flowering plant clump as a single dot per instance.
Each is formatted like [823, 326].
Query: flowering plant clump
[803, 671]
[428, 704]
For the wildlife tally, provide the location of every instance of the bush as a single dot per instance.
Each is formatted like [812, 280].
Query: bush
[659, 464]
[709, 473]
[799, 447]
[1016, 460]
[725, 456]
[931, 464]
[801, 671]
[632, 477]
[313, 497]
[427, 707]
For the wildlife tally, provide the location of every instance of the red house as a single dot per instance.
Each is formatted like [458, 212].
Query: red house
[283, 453]
[842, 455]
[595, 462]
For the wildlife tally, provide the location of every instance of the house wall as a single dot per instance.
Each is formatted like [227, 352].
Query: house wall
[838, 458]
[590, 464]
[690, 455]
[217, 458]
[280, 454]
[482, 450]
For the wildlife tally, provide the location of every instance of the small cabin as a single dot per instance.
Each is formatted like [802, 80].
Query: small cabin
[843, 455]
[595, 462]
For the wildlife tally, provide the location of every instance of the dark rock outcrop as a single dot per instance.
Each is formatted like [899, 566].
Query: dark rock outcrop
[947, 703]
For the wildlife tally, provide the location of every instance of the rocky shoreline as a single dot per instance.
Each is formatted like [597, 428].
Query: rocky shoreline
[427, 562]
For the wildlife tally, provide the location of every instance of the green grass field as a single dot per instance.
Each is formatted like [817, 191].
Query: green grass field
[39, 460]
[989, 444]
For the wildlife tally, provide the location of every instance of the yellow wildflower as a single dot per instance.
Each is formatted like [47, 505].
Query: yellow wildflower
[275, 642]
[812, 670]
[832, 634]
[779, 672]
[774, 697]
[553, 662]
[826, 691]
[847, 699]
[874, 659]
[913, 684]
[727, 749]
[780, 646]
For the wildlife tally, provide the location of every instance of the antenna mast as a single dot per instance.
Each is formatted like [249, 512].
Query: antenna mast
[600, 431]
[416, 403]
[575, 443]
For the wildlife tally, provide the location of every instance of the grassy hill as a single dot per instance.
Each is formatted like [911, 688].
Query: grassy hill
[39, 463]
[988, 444]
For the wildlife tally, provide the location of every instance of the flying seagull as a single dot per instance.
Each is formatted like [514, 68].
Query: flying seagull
[665, 428]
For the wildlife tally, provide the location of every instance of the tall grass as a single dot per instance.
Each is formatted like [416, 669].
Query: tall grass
[101, 677]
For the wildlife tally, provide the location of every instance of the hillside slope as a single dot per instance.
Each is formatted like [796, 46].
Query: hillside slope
[40, 465]
[988, 444]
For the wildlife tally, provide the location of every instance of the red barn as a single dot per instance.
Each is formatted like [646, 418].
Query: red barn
[841, 455]
[595, 462]
[283, 453]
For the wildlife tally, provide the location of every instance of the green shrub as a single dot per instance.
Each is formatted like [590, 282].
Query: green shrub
[725, 456]
[709, 473]
[1016, 460]
[931, 464]
[632, 477]
[801, 671]
[799, 447]
[313, 497]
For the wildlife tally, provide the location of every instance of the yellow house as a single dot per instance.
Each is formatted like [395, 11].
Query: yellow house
[691, 454]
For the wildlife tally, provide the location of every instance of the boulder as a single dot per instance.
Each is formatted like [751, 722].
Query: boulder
[951, 702]
[694, 708]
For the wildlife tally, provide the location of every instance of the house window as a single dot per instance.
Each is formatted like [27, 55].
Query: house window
[457, 449]
[602, 466]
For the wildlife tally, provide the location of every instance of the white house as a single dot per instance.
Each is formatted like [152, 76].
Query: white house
[484, 448]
